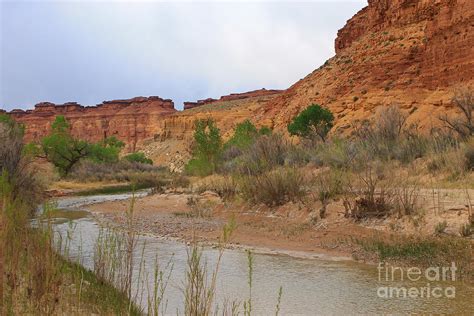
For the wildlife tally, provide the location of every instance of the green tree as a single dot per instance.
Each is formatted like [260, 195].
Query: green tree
[138, 157]
[207, 148]
[313, 121]
[107, 150]
[245, 134]
[61, 149]
[265, 130]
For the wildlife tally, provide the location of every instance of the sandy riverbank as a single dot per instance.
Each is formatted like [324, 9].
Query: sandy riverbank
[285, 230]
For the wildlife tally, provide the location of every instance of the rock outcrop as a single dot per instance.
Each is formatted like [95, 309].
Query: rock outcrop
[231, 97]
[131, 120]
[172, 140]
[409, 52]
[412, 53]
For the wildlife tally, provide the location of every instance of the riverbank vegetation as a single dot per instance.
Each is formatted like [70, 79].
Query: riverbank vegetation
[39, 275]
[34, 278]
[384, 170]
[385, 175]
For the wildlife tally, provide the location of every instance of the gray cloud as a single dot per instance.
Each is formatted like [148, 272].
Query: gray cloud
[92, 51]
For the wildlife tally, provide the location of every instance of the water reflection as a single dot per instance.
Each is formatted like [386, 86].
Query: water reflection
[309, 286]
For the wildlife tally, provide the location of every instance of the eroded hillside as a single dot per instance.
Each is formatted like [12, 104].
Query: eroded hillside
[408, 52]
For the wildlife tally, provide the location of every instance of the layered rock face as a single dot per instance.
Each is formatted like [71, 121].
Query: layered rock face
[131, 120]
[171, 145]
[412, 53]
[231, 97]
[407, 52]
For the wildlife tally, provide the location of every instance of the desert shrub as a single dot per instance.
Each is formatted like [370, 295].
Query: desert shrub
[224, 186]
[463, 122]
[207, 148]
[466, 230]
[138, 157]
[330, 183]
[16, 167]
[387, 137]
[440, 227]
[469, 155]
[274, 187]
[231, 152]
[453, 162]
[314, 121]
[179, 181]
[149, 180]
[406, 198]
[229, 160]
[389, 123]
[122, 171]
[410, 148]
[374, 196]
[298, 155]
[337, 153]
[265, 154]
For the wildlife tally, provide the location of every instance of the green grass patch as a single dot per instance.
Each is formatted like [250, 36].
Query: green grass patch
[423, 250]
[96, 296]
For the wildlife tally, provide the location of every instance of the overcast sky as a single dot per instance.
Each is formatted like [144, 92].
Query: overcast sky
[91, 51]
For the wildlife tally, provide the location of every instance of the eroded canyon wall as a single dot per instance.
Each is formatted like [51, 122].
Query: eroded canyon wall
[131, 120]
[413, 53]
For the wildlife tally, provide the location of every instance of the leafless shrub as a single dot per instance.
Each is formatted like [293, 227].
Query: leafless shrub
[373, 197]
[463, 123]
[17, 166]
[329, 184]
[390, 122]
[273, 188]
[407, 198]
[269, 151]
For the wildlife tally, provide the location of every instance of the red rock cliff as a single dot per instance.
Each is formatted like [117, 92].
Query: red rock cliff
[409, 52]
[231, 97]
[131, 120]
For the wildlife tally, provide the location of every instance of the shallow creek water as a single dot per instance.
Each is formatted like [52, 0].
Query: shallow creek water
[310, 286]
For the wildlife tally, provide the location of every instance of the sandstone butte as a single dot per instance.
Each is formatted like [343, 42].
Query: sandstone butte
[412, 53]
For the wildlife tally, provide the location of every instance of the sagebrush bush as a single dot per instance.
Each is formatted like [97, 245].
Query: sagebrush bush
[452, 162]
[268, 152]
[16, 165]
[373, 196]
[123, 171]
[337, 153]
[410, 149]
[330, 183]
[224, 186]
[469, 155]
[273, 188]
